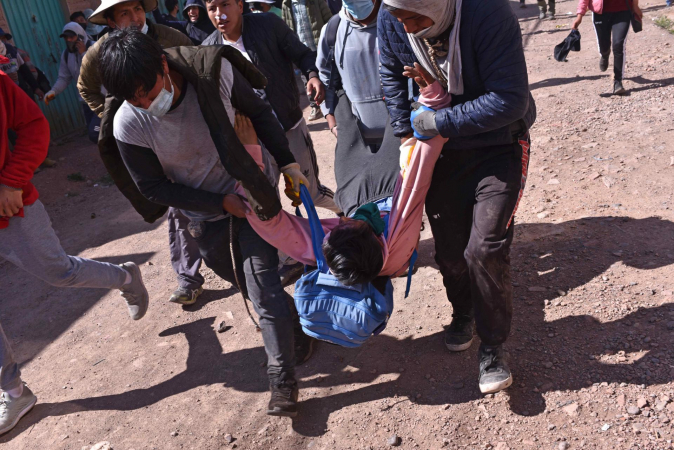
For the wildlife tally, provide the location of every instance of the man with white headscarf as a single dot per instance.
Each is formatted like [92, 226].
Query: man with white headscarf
[475, 51]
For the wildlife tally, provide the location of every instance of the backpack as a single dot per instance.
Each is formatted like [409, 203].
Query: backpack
[331, 311]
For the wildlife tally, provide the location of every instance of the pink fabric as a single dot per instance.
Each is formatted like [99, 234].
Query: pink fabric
[596, 6]
[292, 235]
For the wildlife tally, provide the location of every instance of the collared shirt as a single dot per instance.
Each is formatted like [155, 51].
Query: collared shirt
[302, 24]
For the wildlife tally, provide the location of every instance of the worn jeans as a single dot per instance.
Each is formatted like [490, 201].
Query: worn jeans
[302, 148]
[185, 256]
[31, 244]
[260, 282]
[471, 206]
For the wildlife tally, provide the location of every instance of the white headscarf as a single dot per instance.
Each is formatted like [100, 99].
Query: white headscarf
[443, 13]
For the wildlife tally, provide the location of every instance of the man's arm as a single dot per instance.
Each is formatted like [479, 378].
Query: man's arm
[64, 78]
[394, 83]
[179, 25]
[289, 43]
[498, 47]
[89, 83]
[32, 130]
[148, 174]
[266, 125]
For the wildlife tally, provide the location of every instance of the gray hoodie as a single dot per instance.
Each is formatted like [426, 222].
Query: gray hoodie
[71, 62]
[357, 59]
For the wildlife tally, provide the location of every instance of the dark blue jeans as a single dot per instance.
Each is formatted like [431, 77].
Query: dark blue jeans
[262, 284]
[93, 123]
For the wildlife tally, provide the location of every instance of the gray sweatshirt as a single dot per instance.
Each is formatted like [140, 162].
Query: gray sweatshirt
[69, 68]
[357, 59]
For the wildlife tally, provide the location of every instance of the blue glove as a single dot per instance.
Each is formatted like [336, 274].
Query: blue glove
[423, 122]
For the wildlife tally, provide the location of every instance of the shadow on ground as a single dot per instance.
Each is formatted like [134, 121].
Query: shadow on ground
[553, 257]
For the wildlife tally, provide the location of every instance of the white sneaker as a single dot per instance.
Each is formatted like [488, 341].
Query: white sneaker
[13, 409]
[135, 294]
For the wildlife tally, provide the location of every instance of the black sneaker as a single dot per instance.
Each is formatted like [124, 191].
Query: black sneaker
[494, 373]
[618, 88]
[459, 333]
[304, 346]
[284, 393]
[603, 63]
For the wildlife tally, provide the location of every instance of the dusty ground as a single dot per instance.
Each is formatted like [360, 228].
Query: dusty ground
[593, 333]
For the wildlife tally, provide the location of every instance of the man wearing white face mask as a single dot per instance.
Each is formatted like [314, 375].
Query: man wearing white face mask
[175, 133]
[125, 14]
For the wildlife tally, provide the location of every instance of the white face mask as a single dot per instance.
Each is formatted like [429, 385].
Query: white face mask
[161, 104]
[144, 29]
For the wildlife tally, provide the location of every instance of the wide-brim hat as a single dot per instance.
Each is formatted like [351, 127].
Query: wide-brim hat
[97, 16]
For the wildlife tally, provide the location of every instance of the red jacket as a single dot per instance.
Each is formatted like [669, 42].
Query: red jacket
[21, 114]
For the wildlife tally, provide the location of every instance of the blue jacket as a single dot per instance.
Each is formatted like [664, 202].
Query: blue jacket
[496, 99]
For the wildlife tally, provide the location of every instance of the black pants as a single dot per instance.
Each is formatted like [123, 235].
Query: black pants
[616, 25]
[259, 278]
[471, 205]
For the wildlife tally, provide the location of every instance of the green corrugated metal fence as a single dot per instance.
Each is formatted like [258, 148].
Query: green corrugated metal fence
[36, 26]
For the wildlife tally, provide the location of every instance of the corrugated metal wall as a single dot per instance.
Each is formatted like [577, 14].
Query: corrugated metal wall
[36, 26]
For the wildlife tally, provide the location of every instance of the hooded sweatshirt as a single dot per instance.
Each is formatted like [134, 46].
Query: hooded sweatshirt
[69, 68]
[357, 61]
[19, 113]
[196, 31]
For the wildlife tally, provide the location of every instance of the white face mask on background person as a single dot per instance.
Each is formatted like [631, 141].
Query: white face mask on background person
[144, 29]
[162, 103]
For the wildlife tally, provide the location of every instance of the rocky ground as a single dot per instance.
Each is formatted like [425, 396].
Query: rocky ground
[592, 346]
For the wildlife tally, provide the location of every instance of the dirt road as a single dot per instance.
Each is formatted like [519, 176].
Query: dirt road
[592, 347]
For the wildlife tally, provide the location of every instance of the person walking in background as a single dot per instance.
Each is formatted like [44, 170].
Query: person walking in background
[307, 18]
[122, 14]
[16, 68]
[264, 6]
[481, 174]
[77, 44]
[196, 25]
[28, 240]
[172, 8]
[94, 31]
[546, 8]
[611, 20]
[79, 18]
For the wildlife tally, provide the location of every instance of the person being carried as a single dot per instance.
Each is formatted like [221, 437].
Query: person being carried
[355, 247]
[28, 240]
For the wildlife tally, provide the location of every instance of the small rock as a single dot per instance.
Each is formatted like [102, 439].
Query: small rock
[543, 215]
[553, 181]
[621, 400]
[103, 445]
[633, 410]
[222, 327]
[228, 438]
[551, 427]
[537, 289]
[174, 433]
[561, 292]
[563, 445]
[642, 402]
[608, 181]
[594, 175]
[93, 215]
[670, 325]
[548, 365]
[150, 263]
[606, 427]
[571, 409]
[457, 385]
[393, 441]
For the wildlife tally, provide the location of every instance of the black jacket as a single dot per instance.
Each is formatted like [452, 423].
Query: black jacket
[273, 48]
[197, 32]
[200, 66]
[496, 101]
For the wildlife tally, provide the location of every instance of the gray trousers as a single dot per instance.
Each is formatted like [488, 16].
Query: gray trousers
[302, 148]
[185, 257]
[31, 244]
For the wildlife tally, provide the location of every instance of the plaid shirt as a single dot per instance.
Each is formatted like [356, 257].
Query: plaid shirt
[302, 24]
